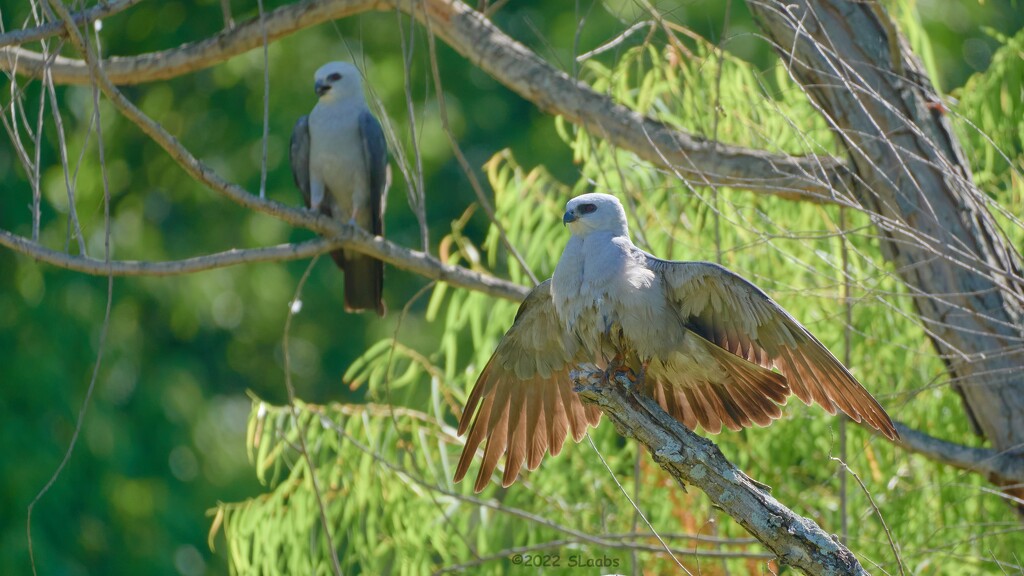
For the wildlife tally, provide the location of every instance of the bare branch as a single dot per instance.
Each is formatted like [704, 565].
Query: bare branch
[689, 458]
[85, 17]
[104, 329]
[472, 35]
[348, 237]
[474, 182]
[1006, 465]
[303, 448]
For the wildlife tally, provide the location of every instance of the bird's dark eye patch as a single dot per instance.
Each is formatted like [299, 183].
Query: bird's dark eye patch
[587, 208]
[334, 77]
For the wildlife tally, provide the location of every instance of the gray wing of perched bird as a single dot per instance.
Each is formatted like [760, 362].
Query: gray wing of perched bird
[299, 156]
[340, 164]
[710, 347]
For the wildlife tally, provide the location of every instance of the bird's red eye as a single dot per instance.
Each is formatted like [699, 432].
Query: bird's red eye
[587, 208]
[334, 77]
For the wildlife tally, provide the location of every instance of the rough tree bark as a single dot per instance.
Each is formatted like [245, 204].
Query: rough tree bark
[964, 277]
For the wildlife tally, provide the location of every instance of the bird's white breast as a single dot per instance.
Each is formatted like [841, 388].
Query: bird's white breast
[336, 155]
[602, 285]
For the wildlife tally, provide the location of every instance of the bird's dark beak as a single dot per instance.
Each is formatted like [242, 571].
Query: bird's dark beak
[321, 88]
[568, 217]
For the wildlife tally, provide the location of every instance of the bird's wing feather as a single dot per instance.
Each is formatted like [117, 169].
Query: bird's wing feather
[523, 404]
[375, 151]
[734, 314]
[299, 156]
[364, 276]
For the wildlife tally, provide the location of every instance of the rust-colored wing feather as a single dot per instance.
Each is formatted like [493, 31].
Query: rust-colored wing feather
[522, 405]
[732, 313]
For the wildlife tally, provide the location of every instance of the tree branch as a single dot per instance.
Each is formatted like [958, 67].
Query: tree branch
[85, 17]
[689, 458]
[1005, 465]
[813, 178]
[347, 237]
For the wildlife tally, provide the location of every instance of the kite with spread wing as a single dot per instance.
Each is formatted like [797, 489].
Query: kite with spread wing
[708, 345]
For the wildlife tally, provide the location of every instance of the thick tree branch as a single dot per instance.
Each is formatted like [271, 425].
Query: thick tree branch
[813, 178]
[691, 459]
[991, 463]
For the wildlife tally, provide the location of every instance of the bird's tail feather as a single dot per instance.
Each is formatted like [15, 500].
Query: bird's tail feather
[364, 280]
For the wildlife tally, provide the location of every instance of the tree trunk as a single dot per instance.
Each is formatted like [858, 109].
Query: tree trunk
[913, 180]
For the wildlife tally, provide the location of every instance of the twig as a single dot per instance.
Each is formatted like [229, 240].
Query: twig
[266, 97]
[636, 508]
[878, 512]
[74, 225]
[415, 188]
[225, 10]
[294, 410]
[466, 168]
[104, 329]
[615, 41]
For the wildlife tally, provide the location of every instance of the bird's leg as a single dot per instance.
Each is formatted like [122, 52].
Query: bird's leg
[612, 366]
[618, 367]
[355, 212]
[641, 377]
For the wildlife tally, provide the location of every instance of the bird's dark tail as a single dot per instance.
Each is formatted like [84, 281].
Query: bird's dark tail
[364, 280]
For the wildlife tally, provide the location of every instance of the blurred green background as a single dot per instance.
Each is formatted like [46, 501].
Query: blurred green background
[163, 439]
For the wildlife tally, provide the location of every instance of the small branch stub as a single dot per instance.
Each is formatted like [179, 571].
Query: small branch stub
[692, 459]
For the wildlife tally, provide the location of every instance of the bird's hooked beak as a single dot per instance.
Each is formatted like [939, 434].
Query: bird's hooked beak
[321, 87]
[569, 217]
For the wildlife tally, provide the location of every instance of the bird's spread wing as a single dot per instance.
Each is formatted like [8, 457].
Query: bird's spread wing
[375, 150]
[729, 311]
[299, 155]
[523, 404]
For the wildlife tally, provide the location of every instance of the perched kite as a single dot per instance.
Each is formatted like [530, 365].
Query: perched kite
[340, 163]
[702, 340]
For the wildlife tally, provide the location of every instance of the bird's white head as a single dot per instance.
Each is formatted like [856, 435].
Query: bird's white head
[595, 213]
[338, 81]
